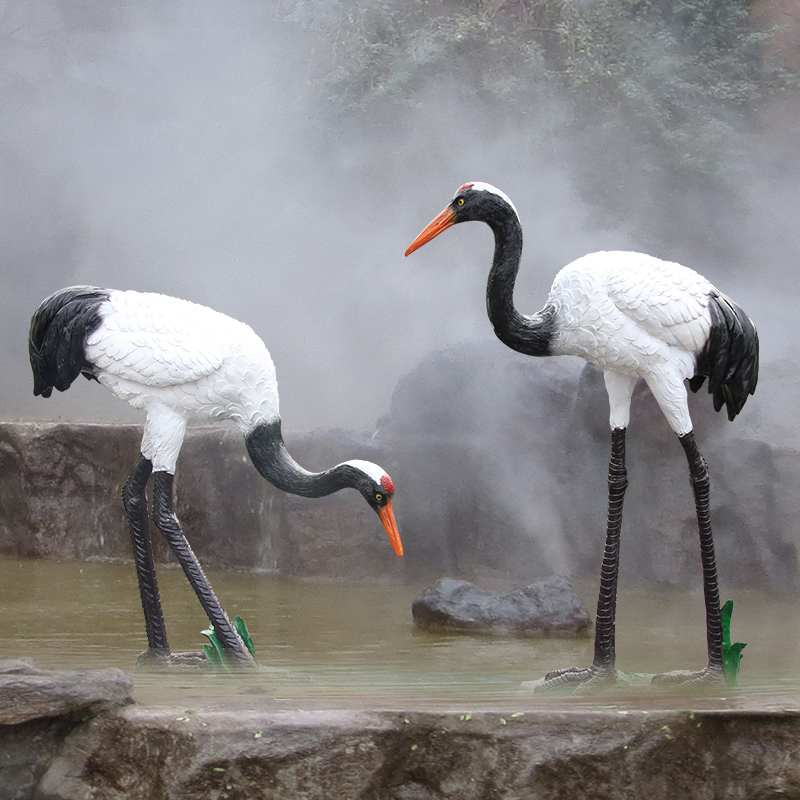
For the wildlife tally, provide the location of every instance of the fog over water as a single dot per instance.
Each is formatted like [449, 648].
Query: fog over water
[191, 149]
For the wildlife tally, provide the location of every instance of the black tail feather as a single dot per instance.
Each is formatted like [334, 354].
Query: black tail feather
[730, 358]
[58, 333]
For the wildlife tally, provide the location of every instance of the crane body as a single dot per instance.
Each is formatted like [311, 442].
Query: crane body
[634, 316]
[180, 363]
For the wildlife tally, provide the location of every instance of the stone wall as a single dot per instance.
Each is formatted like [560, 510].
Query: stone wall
[499, 463]
[60, 498]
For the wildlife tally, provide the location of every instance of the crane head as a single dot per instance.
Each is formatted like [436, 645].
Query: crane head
[473, 201]
[377, 489]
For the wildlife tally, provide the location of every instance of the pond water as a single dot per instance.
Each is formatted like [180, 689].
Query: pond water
[356, 643]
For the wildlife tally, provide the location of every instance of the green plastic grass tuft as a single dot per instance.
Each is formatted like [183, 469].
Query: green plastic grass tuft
[731, 653]
[216, 653]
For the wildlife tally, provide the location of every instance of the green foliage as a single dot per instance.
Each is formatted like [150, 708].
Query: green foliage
[731, 653]
[216, 653]
[685, 72]
[380, 51]
[681, 74]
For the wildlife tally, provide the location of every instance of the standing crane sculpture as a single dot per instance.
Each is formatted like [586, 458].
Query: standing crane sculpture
[179, 363]
[634, 316]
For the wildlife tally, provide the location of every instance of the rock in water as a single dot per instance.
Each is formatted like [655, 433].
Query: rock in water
[548, 607]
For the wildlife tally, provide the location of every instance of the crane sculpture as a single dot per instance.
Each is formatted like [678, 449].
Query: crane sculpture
[634, 316]
[180, 363]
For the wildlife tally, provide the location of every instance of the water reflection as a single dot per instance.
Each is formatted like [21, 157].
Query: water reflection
[355, 642]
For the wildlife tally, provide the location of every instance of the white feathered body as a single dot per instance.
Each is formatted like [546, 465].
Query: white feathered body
[634, 316]
[178, 362]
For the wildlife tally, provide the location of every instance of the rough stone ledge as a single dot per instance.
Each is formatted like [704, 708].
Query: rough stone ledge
[271, 750]
[28, 692]
[335, 754]
[39, 709]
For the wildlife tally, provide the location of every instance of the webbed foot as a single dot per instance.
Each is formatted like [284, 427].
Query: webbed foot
[577, 681]
[158, 660]
[687, 679]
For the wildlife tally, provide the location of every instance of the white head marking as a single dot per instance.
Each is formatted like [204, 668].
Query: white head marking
[373, 470]
[479, 186]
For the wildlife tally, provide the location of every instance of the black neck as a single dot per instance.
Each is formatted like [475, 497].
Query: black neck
[268, 453]
[526, 334]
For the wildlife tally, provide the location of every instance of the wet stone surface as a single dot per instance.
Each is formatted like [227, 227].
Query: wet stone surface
[40, 708]
[548, 607]
[258, 747]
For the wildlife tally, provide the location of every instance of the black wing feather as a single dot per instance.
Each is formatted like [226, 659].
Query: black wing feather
[730, 357]
[57, 337]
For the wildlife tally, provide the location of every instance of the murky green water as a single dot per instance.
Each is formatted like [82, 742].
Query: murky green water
[356, 642]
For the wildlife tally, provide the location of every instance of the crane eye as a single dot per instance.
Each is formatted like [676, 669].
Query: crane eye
[379, 497]
[460, 201]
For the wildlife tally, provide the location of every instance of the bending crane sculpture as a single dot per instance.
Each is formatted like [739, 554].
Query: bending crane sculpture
[178, 362]
[635, 317]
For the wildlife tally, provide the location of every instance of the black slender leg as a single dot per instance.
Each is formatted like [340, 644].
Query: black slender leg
[698, 471]
[604, 641]
[166, 521]
[134, 498]
[603, 667]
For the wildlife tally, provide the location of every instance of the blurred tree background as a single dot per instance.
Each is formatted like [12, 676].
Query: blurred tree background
[667, 85]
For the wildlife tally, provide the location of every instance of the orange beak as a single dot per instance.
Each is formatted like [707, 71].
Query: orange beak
[441, 222]
[387, 518]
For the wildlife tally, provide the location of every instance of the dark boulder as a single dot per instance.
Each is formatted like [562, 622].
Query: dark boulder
[547, 607]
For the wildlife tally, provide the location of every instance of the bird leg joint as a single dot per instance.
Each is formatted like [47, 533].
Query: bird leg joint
[163, 513]
[617, 473]
[133, 492]
[698, 468]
